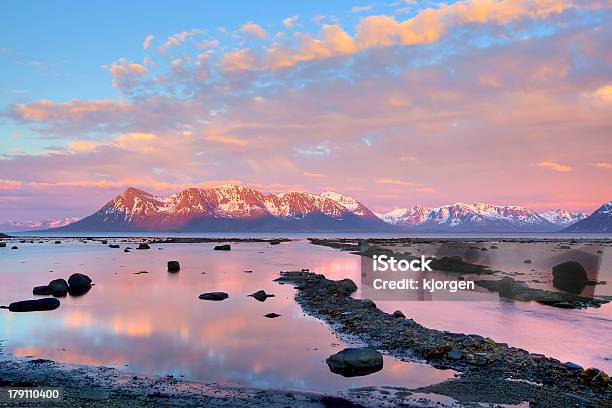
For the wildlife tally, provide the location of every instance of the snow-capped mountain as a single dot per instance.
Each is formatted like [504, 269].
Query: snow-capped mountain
[475, 217]
[15, 226]
[563, 217]
[599, 221]
[231, 208]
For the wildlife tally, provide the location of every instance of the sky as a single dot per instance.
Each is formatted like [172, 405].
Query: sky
[395, 103]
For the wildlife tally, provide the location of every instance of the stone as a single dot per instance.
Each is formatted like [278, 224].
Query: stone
[79, 280]
[59, 287]
[2, 244]
[454, 354]
[572, 366]
[58, 242]
[527, 261]
[261, 295]
[275, 242]
[115, 246]
[143, 246]
[272, 315]
[34, 305]
[174, 266]
[216, 296]
[346, 286]
[569, 277]
[352, 362]
[41, 290]
[399, 314]
[224, 247]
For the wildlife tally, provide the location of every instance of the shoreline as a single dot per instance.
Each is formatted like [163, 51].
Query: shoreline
[489, 369]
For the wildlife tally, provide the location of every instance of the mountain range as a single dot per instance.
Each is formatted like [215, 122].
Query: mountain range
[480, 217]
[12, 226]
[238, 208]
[231, 208]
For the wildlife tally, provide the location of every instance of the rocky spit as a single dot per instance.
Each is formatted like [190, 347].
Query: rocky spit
[491, 372]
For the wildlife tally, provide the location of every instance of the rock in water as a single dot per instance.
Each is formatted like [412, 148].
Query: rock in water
[352, 362]
[224, 247]
[272, 315]
[41, 290]
[34, 305]
[275, 242]
[260, 295]
[115, 246]
[59, 287]
[2, 244]
[174, 266]
[506, 287]
[216, 296]
[569, 276]
[143, 246]
[79, 280]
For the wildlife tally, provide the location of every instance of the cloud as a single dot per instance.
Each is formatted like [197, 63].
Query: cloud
[603, 94]
[309, 174]
[289, 22]
[10, 184]
[425, 190]
[227, 140]
[81, 146]
[148, 41]
[178, 39]
[360, 9]
[238, 61]
[395, 182]
[554, 166]
[604, 165]
[254, 30]
[126, 74]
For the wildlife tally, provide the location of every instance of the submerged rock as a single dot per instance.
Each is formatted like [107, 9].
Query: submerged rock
[216, 296]
[41, 290]
[224, 247]
[352, 362]
[174, 266]
[506, 287]
[34, 305]
[59, 287]
[261, 295]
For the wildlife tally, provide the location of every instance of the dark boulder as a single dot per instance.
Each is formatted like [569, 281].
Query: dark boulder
[224, 247]
[569, 277]
[34, 305]
[79, 280]
[59, 287]
[115, 246]
[143, 246]
[352, 362]
[14, 247]
[261, 295]
[399, 314]
[2, 244]
[41, 290]
[275, 242]
[346, 286]
[174, 266]
[216, 296]
[272, 315]
[126, 250]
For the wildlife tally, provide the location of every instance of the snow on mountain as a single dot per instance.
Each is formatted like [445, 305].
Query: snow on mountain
[230, 207]
[563, 217]
[15, 226]
[599, 221]
[469, 217]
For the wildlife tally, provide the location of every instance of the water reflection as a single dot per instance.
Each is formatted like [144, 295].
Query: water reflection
[154, 323]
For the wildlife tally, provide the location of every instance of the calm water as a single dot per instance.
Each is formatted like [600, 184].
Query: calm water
[154, 323]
